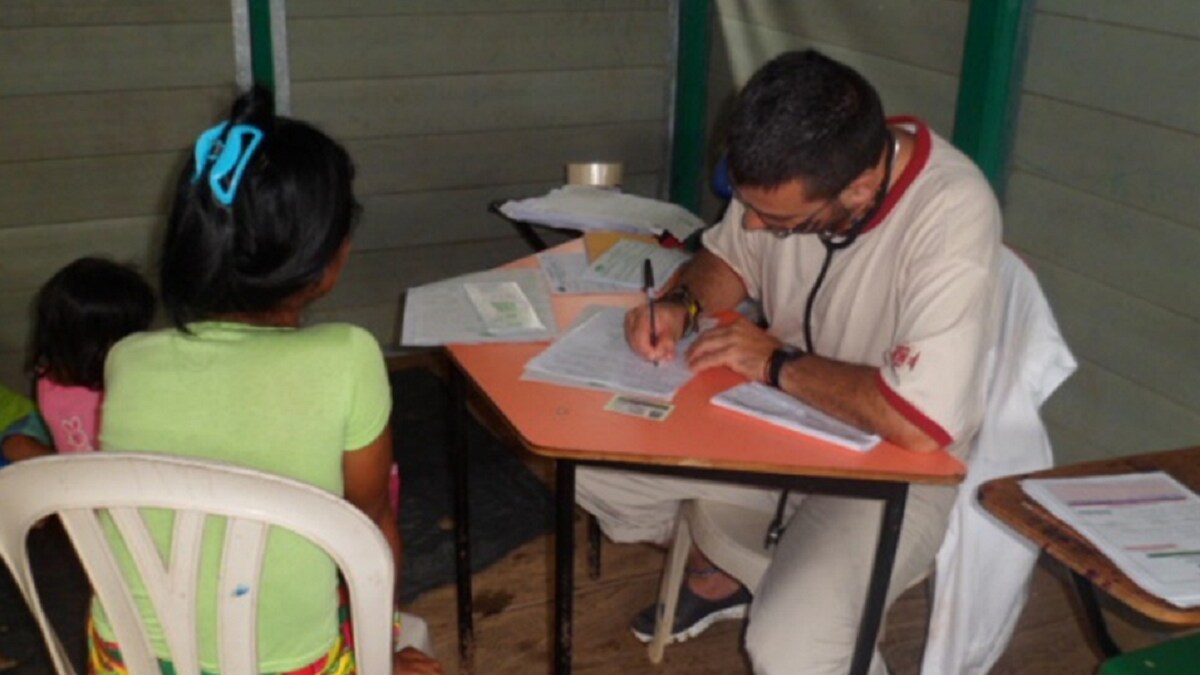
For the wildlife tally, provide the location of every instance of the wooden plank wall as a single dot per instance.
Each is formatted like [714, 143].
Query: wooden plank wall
[1102, 198]
[446, 106]
[443, 105]
[97, 102]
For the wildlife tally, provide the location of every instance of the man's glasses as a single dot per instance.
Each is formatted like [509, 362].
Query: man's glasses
[806, 226]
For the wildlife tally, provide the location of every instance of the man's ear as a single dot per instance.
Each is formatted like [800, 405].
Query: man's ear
[862, 189]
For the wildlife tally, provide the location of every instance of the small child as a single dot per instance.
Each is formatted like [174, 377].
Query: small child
[80, 313]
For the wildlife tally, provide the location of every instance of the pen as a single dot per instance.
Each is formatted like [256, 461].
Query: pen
[648, 284]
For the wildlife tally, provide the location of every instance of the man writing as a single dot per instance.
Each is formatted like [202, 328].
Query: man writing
[872, 246]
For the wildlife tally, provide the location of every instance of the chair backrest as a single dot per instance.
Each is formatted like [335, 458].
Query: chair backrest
[983, 568]
[78, 488]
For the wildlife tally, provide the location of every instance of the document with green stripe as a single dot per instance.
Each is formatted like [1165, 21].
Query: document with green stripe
[1147, 524]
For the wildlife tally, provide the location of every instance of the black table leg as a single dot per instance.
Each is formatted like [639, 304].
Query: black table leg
[595, 541]
[459, 421]
[564, 568]
[881, 576]
[531, 238]
[1095, 618]
[524, 229]
[894, 496]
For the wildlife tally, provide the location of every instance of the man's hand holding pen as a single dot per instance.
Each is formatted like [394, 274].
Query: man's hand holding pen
[654, 329]
[648, 288]
[670, 318]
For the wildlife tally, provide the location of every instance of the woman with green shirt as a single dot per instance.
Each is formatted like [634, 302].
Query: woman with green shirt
[260, 229]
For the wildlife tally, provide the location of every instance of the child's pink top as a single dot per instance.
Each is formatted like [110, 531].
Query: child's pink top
[72, 414]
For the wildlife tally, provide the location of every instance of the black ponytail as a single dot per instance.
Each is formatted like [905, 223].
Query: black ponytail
[290, 213]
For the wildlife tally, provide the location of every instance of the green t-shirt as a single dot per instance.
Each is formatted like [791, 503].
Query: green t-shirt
[287, 401]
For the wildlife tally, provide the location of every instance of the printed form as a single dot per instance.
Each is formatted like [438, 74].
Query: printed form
[622, 265]
[594, 355]
[565, 274]
[1148, 524]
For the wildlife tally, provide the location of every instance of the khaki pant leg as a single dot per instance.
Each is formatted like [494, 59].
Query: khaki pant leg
[633, 506]
[806, 615]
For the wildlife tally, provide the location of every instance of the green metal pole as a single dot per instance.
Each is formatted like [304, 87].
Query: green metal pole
[990, 86]
[262, 53]
[691, 98]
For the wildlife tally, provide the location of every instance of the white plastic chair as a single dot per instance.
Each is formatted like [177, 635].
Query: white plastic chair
[730, 536]
[982, 568]
[79, 487]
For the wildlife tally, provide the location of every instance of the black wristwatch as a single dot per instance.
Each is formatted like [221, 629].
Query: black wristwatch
[779, 357]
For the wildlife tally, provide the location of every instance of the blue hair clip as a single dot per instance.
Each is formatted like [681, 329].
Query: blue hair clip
[225, 155]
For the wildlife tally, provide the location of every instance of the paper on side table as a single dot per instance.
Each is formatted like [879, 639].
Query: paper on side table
[1147, 524]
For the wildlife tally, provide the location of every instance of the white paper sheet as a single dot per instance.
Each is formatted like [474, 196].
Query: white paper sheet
[564, 272]
[622, 264]
[593, 354]
[771, 405]
[442, 313]
[1147, 524]
[503, 307]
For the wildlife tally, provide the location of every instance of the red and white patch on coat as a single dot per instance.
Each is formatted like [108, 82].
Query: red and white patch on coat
[903, 356]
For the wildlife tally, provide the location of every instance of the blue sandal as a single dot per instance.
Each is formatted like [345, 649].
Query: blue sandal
[693, 614]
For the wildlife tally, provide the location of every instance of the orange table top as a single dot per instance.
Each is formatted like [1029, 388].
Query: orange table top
[571, 423]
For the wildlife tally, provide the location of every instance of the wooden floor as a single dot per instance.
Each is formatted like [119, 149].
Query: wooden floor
[513, 614]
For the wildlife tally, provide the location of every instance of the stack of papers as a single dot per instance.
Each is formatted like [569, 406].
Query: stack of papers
[492, 306]
[1147, 524]
[774, 406]
[593, 354]
[584, 207]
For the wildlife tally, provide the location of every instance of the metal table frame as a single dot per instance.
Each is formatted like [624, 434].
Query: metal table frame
[894, 494]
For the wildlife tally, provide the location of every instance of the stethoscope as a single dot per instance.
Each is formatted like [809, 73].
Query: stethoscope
[833, 243]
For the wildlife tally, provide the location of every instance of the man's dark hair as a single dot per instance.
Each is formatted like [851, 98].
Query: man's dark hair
[805, 116]
[289, 216]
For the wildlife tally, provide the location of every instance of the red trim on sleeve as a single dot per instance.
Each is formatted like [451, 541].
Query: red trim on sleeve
[910, 413]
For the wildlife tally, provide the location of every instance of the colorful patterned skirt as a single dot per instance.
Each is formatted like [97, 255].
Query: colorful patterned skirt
[104, 657]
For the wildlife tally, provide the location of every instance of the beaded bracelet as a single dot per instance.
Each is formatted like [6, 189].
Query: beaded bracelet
[682, 295]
